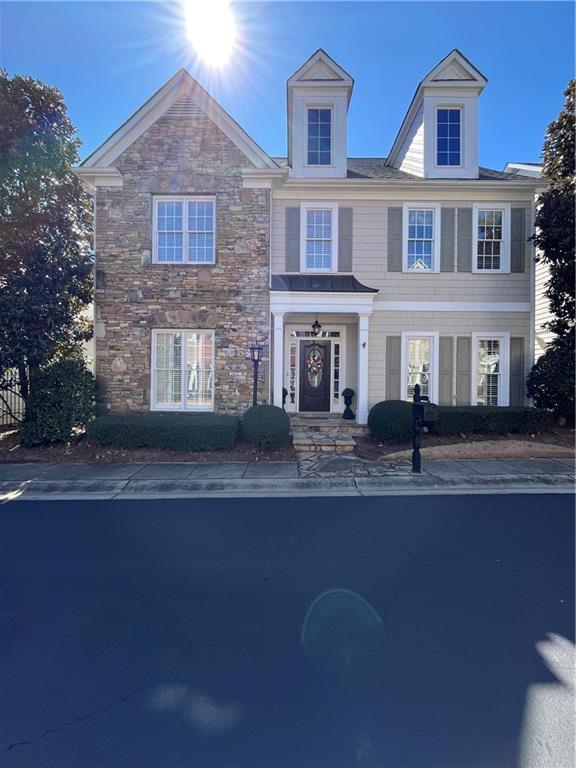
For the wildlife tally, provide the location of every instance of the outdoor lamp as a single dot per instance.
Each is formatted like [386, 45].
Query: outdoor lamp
[316, 327]
[256, 357]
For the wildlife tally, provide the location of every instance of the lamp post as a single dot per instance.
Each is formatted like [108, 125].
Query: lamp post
[256, 357]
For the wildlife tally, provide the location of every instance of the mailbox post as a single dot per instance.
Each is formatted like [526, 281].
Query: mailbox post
[422, 416]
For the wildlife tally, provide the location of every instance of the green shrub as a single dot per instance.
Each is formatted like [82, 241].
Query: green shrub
[62, 399]
[172, 431]
[267, 426]
[551, 381]
[391, 420]
[454, 420]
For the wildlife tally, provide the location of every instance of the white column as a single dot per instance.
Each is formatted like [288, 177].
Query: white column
[278, 367]
[362, 394]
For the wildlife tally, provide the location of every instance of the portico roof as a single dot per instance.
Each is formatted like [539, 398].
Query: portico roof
[319, 284]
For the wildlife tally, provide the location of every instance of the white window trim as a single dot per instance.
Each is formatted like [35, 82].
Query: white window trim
[433, 388]
[504, 390]
[182, 407]
[505, 252]
[460, 107]
[304, 208]
[318, 105]
[185, 199]
[436, 229]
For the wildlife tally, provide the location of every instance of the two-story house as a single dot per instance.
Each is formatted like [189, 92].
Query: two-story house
[368, 273]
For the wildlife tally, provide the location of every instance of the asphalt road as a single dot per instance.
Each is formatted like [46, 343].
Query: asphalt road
[407, 632]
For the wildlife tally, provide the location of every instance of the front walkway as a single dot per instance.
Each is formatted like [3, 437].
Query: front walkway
[316, 475]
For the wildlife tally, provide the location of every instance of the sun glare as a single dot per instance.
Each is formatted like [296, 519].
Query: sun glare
[211, 29]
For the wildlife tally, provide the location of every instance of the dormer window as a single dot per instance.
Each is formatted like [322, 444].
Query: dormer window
[449, 136]
[319, 136]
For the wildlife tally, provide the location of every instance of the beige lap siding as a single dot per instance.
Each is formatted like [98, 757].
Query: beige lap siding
[370, 263]
[453, 324]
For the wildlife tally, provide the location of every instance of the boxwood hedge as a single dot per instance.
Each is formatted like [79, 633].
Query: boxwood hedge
[392, 420]
[173, 431]
[453, 420]
[266, 426]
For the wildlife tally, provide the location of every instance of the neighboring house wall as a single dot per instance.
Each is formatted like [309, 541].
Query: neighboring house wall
[180, 155]
[411, 155]
[542, 314]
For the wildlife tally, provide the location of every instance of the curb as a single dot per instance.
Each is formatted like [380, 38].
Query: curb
[35, 490]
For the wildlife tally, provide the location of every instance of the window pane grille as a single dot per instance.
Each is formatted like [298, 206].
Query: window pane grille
[319, 238]
[336, 372]
[168, 368]
[199, 369]
[418, 354]
[420, 239]
[488, 371]
[170, 231]
[489, 249]
[201, 230]
[448, 137]
[319, 136]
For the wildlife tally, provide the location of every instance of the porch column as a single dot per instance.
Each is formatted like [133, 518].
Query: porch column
[278, 367]
[362, 394]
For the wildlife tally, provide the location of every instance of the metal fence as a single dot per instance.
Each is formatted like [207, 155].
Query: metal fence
[11, 404]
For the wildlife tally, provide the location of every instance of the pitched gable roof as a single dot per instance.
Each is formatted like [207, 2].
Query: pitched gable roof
[453, 70]
[321, 67]
[183, 93]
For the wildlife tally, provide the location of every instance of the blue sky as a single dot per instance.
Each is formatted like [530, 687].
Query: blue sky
[109, 57]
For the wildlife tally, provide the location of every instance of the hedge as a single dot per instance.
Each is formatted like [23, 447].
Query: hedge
[62, 400]
[173, 431]
[453, 420]
[392, 420]
[266, 426]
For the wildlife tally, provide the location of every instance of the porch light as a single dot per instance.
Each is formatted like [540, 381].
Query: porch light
[316, 327]
[256, 357]
[256, 353]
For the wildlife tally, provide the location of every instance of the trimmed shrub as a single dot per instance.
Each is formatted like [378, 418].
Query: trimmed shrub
[454, 420]
[62, 400]
[551, 381]
[391, 420]
[191, 432]
[267, 426]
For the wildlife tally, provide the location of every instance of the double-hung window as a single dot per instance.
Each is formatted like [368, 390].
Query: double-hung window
[490, 376]
[421, 237]
[449, 136]
[319, 136]
[419, 364]
[184, 230]
[319, 238]
[182, 370]
[491, 237]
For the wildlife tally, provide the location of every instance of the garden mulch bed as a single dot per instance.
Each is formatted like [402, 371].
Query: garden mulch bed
[82, 452]
[557, 442]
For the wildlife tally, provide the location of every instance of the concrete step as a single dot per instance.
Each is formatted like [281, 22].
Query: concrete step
[328, 427]
[313, 442]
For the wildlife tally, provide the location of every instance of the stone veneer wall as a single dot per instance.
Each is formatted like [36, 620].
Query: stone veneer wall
[182, 153]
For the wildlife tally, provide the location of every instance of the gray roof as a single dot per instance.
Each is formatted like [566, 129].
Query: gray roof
[319, 284]
[376, 168]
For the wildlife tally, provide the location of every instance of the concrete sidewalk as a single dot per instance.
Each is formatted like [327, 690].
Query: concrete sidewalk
[312, 476]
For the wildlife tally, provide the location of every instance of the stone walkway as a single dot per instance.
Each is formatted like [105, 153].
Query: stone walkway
[344, 465]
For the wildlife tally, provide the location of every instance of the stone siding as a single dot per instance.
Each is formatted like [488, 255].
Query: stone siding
[180, 155]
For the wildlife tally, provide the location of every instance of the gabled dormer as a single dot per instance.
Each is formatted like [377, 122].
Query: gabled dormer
[438, 138]
[318, 98]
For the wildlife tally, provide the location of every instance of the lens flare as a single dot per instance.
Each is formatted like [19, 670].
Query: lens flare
[211, 29]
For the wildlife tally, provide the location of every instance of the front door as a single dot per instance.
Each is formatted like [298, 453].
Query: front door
[314, 375]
